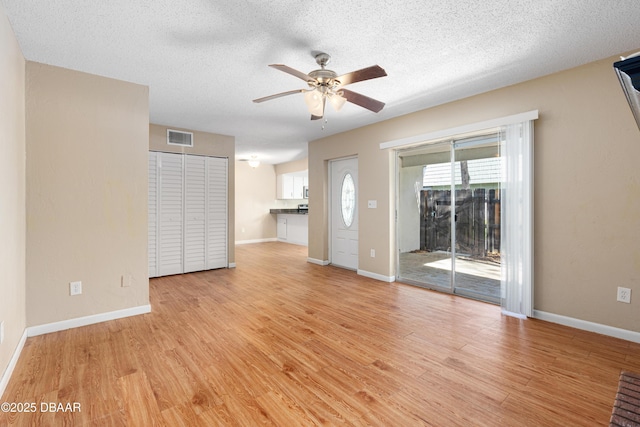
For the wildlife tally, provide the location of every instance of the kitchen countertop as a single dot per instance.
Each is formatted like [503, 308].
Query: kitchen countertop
[293, 211]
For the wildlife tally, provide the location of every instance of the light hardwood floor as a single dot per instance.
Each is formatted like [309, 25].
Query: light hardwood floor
[279, 341]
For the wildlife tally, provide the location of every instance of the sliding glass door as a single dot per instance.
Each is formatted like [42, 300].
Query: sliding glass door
[449, 216]
[424, 214]
[476, 239]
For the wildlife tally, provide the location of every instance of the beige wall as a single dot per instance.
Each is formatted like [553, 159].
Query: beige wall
[205, 144]
[294, 166]
[255, 195]
[12, 192]
[87, 143]
[374, 168]
[587, 188]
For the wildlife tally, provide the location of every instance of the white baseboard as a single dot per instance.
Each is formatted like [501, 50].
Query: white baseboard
[246, 242]
[377, 276]
[588, 326]
[231, 265]
[6, 376]
[33, 331]
[293, 242]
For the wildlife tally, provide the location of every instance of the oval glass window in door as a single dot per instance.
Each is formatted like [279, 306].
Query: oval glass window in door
[348, 200]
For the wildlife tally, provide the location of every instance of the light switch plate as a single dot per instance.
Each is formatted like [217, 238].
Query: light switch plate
[372, 204]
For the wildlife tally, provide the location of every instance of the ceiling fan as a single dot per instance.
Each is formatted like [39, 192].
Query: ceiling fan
[328, 85]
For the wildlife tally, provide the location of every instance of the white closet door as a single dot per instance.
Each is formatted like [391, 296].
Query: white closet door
[217, 212]
[170, 209]
[152, 222]
[195, 206]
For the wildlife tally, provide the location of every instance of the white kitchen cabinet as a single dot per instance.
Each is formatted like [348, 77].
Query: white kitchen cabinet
[293, 228]
[285, 186]
[187, 213]
[282, 228]
[298, 187]
[291, 185]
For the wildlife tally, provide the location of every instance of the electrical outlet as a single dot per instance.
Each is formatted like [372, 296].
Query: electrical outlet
[75, 288]
[373, 253]
[1, 332]
[125, 281]
[624, 295]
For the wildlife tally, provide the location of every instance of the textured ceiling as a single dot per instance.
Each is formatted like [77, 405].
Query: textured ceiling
[205, 60]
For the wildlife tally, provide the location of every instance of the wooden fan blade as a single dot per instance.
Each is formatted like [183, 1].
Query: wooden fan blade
[368, 73]
[293, 72]
[362, 100]
[278, 95]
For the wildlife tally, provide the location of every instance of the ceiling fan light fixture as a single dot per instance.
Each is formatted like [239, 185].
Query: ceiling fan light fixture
[337, 100]
[253, 162]
[313, 99]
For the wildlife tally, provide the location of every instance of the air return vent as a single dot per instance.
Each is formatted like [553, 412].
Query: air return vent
[176, 137]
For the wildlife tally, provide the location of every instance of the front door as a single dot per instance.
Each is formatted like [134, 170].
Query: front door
[344, 213]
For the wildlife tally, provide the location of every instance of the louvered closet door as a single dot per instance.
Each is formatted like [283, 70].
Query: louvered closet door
[153, 215]
[195, 238]
[217, 212]
[170, 218]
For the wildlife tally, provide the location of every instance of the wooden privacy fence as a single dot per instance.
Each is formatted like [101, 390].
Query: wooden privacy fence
[477, 221]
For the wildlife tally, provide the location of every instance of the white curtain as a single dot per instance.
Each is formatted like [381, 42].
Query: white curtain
[517, 219]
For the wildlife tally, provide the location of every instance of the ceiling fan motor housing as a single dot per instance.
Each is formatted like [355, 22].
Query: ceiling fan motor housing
[324, 79]
[322, 59]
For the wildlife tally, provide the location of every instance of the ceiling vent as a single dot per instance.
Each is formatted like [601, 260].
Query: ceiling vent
[176, 137]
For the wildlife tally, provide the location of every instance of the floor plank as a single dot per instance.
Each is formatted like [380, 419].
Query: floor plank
[278, 341]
